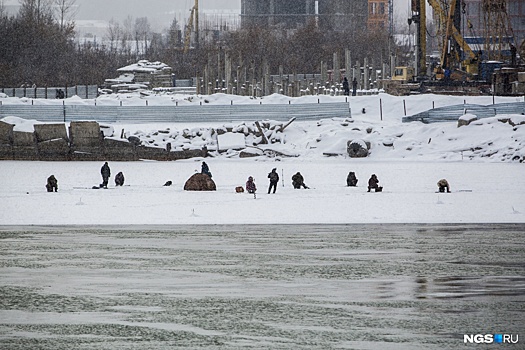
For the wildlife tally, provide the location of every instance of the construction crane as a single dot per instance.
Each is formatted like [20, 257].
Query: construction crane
[193, 25]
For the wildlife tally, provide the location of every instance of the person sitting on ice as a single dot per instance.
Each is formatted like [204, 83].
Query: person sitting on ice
[298, 181]
[205, 169]
[373, 183]
[443, 185]
[52, 184]
[119, 179]
[351, 179]
[250, 185]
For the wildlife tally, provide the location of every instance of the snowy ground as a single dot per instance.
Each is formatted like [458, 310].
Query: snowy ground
[481, 192]
[481, 161]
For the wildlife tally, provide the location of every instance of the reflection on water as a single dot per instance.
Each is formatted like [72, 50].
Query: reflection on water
[264, 287]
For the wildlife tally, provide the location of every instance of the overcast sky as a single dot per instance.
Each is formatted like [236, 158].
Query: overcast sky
[161, 12]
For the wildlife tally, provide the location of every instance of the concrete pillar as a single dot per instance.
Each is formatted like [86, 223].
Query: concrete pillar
[366, 75]
[324, 74]
[337, 69]
[348, 65]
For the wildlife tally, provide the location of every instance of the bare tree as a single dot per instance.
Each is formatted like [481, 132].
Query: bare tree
[142, 34]
[66, 11]
[113, 33]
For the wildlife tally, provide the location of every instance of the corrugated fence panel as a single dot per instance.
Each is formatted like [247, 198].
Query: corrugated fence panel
[452, 113]
[83, 91]
[204, 113]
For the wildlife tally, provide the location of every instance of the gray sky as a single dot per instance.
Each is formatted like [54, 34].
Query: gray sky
[161, 12]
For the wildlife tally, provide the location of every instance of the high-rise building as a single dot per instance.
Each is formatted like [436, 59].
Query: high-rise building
[290, 14]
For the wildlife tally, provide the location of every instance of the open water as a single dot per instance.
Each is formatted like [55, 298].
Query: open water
[261, 287]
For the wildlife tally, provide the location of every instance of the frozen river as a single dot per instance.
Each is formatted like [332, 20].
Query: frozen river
[260, 287]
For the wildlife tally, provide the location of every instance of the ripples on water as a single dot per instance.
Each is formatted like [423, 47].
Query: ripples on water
[261, 287]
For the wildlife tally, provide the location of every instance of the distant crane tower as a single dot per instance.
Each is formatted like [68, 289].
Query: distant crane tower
[498, 31]
[391, 17]
[193, 25]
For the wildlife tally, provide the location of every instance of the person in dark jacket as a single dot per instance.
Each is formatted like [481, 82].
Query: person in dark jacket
[351, 179]
[354, 87]
[250, 185]
[52, 184]
[274, 180]
[205, 169]
[373, 183]
[119, 179]
[443, 186]
[298, 181]
[106, 173]
[346, 87]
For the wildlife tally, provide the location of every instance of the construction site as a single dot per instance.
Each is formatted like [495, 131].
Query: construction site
[459, 46]
[481, 48]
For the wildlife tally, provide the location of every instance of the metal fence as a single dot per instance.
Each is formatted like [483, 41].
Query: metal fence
[199, 113]
[83, 91]
[452, 113]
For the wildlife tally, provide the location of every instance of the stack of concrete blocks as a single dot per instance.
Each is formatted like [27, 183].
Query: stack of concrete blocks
[52, 141]
[6, 141]
[86, 140]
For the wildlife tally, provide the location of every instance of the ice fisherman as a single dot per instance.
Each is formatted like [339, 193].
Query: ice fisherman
[250, 185]
[274, 180]
[52, 184]
[351, 179]
[106, 173]
[298, 181]
[373, 183]
[119, 179]
[443, 186]
[205, 169]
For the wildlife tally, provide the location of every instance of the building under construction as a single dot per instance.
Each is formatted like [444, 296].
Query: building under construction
[335, 15]
[494, 18]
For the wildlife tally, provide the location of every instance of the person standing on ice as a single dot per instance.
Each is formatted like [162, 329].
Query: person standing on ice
[274, 179]
[250, 185]
[106, 173]
[205, 169]
[346, 86]
[119, 179]
[443, 185]
[373, 183]
[298, 181]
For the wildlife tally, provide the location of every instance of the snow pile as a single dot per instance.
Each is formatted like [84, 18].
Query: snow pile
[499, 138]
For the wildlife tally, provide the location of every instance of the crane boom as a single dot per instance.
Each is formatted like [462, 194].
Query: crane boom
[194, 18]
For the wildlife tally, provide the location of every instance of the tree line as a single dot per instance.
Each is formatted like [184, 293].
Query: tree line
[39, 48]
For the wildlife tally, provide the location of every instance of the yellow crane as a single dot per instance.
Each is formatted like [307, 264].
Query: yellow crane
[193, 24]
[452, 41]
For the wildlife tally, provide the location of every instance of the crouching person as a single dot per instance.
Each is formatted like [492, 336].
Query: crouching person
[298, 181]
[443, 186]
[351, 179]
[52, 184]
[250, 185]
[373, 184]
[119, 179]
